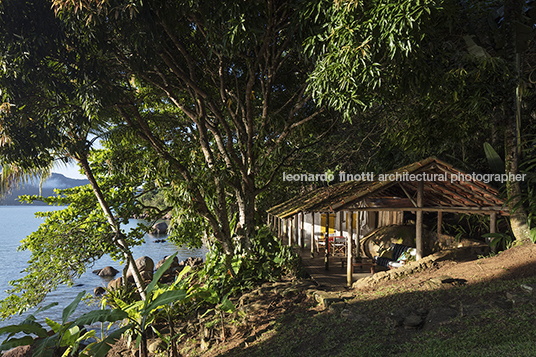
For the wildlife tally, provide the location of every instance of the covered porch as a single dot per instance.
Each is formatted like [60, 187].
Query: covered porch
[344, 210]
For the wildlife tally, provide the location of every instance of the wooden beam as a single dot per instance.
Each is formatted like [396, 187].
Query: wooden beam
[480, 210]
[419, 221]
[407, 194]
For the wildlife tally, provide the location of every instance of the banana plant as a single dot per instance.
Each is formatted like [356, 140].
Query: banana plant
[142, 314]
[68, 335]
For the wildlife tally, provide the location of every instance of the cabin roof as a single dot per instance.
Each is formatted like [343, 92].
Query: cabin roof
[444, 188]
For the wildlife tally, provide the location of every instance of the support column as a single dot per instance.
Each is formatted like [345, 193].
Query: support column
[296, 229]
[419, 221]
[493, 223]
[312, 234]
[340, 224]
[289, 231]
[358, 233]
[326, 241]
[349, 255]
[302, 230]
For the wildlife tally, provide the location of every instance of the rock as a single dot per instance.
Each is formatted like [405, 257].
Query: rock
[98, 291]
[106, 271]
[144, 264]
[115, 284]
[439, 315]
[517, 299]
[21, 351]
[193, 261]
[145, 276]
[174, 265]
[412, 322]
[336, 306]
[156, 346]
[160, 227]
[529, 288]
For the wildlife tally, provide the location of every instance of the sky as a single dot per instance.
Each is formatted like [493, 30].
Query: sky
[68, 170]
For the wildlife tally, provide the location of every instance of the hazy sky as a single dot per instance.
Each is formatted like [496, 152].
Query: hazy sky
[69, 170]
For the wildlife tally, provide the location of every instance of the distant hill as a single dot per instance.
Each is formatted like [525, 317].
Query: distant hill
[54, 181]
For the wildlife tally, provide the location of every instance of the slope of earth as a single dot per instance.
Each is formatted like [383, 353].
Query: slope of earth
[478, 307]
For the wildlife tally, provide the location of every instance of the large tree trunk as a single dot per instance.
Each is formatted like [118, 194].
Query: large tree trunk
[512, 141]
[246, 212]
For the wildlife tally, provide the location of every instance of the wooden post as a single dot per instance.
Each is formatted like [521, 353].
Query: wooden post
[302, 230]
[358, 233]
[419, 221]
[326, 241]
[296, 228]
[439, 224]
[340, 224]
[289, 231]
[349, 255]
[492, 229]
[285, 235]
[312, 235]
[493, 223]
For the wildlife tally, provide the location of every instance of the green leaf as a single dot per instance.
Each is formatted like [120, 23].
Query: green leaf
[101, 316]
[227, 305]
[68, 311]
[164, 299]
[101, 349]
[53, 325]
[27, 328]
[15, 342]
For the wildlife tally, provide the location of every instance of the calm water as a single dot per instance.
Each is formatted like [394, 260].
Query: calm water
[16, 222]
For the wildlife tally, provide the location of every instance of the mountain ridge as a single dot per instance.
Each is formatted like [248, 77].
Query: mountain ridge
[55, 181]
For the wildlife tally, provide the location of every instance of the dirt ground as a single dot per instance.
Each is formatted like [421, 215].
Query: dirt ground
[515, 263]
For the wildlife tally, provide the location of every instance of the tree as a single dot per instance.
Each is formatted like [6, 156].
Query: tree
[49, 100]
[446, 73]
[215, 89]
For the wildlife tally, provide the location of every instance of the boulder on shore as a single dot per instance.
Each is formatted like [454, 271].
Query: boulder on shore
[106, 271]
[160, 227]
[174, 265]
[191, 261]
[115, 284]
[144, 264]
